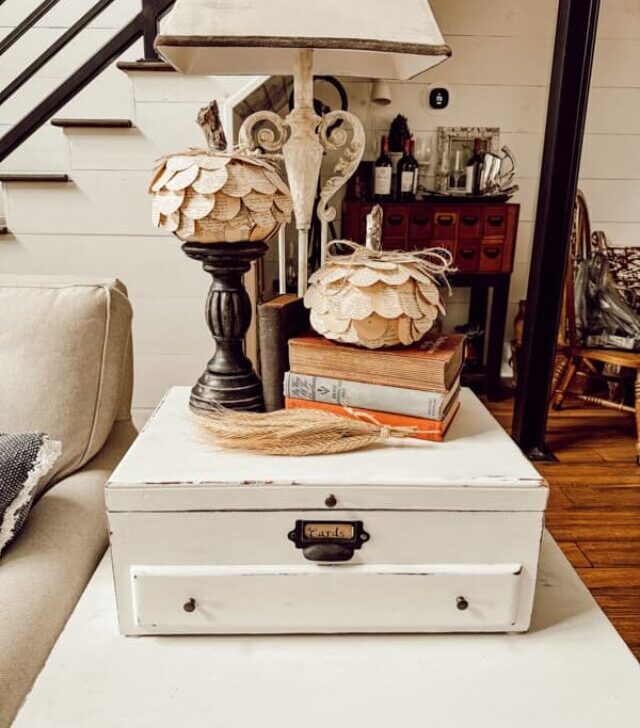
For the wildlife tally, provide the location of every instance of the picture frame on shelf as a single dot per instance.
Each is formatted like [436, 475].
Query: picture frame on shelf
[455, 147]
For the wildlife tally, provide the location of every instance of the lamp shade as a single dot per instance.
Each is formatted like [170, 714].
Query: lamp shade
[391, 39]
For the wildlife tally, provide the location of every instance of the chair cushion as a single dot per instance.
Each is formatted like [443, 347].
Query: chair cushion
[25, 460]
[64, 357]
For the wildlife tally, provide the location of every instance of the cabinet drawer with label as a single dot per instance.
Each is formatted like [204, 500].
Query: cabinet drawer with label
[495, 222]
[470, 224]
[491, 258]
[467, 256]
[445, 224]
[419, 226]
[394, 225]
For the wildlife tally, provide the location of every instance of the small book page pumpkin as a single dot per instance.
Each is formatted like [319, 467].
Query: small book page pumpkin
[376, 299]
[217, 195]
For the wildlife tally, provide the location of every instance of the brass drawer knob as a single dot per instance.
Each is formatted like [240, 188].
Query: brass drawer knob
[462, 603]
[189, 605]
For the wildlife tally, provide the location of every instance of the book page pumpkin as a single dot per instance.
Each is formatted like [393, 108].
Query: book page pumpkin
[216, 195]
[376, 299]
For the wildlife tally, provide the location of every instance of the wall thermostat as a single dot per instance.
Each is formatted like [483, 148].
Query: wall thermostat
[438, 97]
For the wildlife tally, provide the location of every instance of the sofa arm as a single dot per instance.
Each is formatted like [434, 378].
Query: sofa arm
[43, 573]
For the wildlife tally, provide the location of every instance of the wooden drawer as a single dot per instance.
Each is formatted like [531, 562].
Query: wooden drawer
[395, 223]
[494, 221]
[313, 598]
[470, 222]
[491, 258]
[449, 245]
[419, 226]
[467, 256]
[445, 224]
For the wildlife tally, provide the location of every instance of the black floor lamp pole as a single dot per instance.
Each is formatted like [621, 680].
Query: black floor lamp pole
[566, 114]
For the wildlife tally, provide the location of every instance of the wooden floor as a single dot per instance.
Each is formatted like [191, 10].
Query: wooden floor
[594, 506]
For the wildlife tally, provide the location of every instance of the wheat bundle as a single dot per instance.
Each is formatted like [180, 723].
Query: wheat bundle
[293, 432]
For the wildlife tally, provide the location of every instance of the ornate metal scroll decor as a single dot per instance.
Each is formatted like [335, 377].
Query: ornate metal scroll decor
[264, 130]
[339, 131]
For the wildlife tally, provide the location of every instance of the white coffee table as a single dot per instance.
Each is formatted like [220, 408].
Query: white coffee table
[571, 670]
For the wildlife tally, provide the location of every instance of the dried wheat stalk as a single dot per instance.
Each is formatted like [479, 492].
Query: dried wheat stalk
[293, 432]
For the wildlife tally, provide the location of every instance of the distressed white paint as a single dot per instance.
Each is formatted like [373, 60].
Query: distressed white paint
[476, 452]
[551, 676]
[460, 508]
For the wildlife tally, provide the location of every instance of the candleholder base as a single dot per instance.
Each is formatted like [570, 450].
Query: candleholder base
[229, 379]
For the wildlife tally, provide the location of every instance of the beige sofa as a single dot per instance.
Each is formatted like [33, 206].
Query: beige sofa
[65, 369]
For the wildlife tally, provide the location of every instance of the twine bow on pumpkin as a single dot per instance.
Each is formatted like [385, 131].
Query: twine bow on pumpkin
[434, 263]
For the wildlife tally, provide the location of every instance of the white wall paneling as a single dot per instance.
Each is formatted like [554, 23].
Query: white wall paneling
[154, 373]
[43, 152]
[114, 203]
[153, 266]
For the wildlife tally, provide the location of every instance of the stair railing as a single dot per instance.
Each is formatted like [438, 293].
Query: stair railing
[143, 25]
[26, 24]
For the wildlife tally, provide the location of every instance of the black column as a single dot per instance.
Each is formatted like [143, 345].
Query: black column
[150, 16]
[566, 114]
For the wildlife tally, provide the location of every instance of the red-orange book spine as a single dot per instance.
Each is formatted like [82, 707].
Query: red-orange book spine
[431, 430]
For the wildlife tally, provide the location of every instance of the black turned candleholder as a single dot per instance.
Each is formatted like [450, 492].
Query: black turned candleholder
[229, 379]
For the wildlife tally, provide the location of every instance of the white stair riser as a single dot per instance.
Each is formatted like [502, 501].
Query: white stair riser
[173, 87]
[109, 96]
[115, 150]
[43, 152]
[112, 204]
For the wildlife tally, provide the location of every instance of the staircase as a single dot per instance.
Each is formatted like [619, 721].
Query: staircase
[75, 202]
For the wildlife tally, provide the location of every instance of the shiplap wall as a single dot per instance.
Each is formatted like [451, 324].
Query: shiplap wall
[498, 75]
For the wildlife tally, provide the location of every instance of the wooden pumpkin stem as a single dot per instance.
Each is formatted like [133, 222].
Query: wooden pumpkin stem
[209, 122]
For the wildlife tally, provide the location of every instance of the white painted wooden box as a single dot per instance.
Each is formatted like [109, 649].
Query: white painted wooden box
[409, 537]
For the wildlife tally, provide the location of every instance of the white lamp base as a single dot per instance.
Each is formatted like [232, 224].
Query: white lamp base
[302, 137]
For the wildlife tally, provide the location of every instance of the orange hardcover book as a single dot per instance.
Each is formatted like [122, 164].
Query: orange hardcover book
[430, 366]
[431, 430]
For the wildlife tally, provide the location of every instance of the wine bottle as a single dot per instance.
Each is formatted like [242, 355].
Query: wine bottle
[472, 182]
[407, 177]
[382, 173]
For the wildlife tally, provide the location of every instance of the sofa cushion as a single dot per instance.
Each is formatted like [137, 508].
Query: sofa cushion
[44, 571]
[64, 360]
[25, 461]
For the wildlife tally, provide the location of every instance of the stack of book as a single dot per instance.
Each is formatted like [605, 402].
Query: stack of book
[416, 386]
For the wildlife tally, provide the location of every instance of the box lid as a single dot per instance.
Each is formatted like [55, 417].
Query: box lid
[172, 467]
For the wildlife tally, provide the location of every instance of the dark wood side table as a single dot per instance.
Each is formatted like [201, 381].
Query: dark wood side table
[482, 239]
